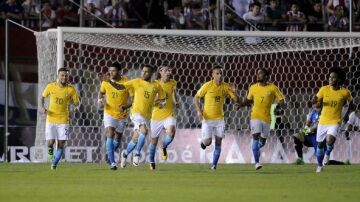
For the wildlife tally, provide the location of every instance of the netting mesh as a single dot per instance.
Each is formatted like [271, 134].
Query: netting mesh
[299, 66]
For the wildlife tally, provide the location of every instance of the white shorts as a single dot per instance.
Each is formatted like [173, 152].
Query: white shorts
[324, 130]
[55, 131]
[257, 126]
[208, 128]
[158, 126]
[139, 120]
[118, 124]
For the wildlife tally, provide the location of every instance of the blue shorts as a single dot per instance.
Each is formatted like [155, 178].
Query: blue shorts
[310, 140]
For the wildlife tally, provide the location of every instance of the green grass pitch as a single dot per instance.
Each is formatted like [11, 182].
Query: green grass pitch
[178, 182]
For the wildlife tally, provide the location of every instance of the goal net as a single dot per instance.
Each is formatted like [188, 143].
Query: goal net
[299, 63]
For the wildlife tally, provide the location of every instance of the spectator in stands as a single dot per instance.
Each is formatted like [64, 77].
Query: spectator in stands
[356, 15]
[54, 4]
[136, 11]
[274, 14]
[315, 18]
[296, 18]
[338, 22]
[177, 18]
[12, 10]
[2, 14]
[232, 21]
[241, 6]
[90, 13]
[100, 4]
[188, 5]
[195, 18]
[158, 14]
[31, 9]
[331, 6]
[304, 5]
[66, 14]
[254, 18]
[211, 9]
[115, 11]
[48, 15]
[285, 5]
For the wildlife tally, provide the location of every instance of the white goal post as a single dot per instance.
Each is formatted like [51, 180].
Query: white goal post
[299, 64]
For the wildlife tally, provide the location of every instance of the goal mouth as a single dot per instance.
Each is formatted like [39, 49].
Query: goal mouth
[298, 64]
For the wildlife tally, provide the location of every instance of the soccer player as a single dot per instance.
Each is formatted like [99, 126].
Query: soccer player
[163, 118]
[307, 135]
[145, 91]
[214, 93]
[332, 98]
[261, 95]
[57, 119]
[114, 117]
[353, 123]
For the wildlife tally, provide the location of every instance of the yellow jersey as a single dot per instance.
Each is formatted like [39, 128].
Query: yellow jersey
[60, 97]
[168, 110]
[263, 97]
[214, 98]
[333, 102]
[144, 95]
[115, 98]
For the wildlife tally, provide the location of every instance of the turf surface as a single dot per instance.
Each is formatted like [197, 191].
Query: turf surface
[178, 182]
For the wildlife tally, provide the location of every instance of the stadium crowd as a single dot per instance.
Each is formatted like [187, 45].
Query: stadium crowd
[270, 15]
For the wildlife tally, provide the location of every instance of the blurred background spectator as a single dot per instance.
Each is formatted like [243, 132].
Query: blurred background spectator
[12, 9]
[296, 19]
[274, 14]
[279, 15]
[116, 12]
[31, 10]
[338, 21]
[315, 17]
[195, 18]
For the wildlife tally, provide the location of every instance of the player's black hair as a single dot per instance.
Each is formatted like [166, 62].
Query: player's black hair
[256, 4]
[151, 67]
[216, 67]
[116, 65]
[266, 71]
[340, 74]
[63, 69]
